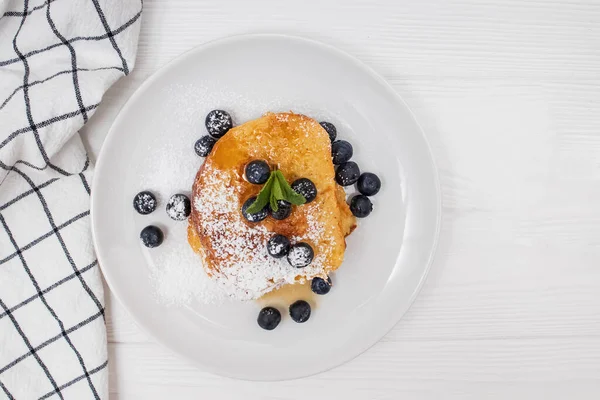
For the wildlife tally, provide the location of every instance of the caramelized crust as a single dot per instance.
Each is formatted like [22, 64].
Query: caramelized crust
[233, 249]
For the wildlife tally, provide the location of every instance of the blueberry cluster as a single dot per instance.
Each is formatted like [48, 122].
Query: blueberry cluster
[299, 255]
[258, 172]
[299, 311]
[348, 173]
[218, 123]
[178, 208]
[270, 317]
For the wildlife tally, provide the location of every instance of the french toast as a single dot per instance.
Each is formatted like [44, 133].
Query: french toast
[233, 250]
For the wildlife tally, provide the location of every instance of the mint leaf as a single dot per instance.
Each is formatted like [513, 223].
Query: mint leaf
[276, 188]
[273, 203]
[273, 199]
[277, 191]
[276, 194]
[288, 193]
[263, 197]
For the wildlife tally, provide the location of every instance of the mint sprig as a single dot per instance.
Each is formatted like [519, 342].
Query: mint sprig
[276, 188]
[288, 193]
[263, 197]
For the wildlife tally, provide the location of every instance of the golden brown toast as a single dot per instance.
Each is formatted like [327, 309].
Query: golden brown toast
[233, 250]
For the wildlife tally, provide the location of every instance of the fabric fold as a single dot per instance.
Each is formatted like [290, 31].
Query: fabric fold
[57, 59]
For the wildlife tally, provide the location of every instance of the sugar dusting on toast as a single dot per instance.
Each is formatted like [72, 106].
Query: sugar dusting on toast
[247, 264]
[176, 271]
[234, 251]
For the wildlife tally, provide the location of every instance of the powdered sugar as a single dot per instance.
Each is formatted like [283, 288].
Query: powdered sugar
[246, 270]
[144, 202]
[315, 230]
[177, 274]
[218, 122]
[278, 246]
[300, 255]
[169, 167]
[178, 207]
[315, 233]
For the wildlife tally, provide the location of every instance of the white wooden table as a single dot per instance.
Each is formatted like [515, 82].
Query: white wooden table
[508, 93]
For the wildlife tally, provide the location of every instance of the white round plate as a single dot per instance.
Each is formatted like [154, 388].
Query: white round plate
[150, 146]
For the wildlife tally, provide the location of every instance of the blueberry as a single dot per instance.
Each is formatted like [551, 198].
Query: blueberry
[204, 145]
[278, 246]
[368, 184]
[218, 122]
[259, 216]
[320, 285]
[361, 206]
[284, 209]
[269, 318]
[330, 128]
[179, 207]
[300, 311]
[341, 151]
[257, 172]
[306, 188]
[300, 255]
[151, 236]
[144, 202]
[347, 173]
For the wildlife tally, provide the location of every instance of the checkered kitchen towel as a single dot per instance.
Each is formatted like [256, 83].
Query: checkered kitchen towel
[57, 58]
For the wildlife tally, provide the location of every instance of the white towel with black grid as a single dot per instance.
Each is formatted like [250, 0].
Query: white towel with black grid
[57, 58]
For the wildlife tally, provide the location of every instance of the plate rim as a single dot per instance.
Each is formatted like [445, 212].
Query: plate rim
[102, 155]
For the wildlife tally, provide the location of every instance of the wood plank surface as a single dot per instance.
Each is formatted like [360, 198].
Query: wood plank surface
[508, 93]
